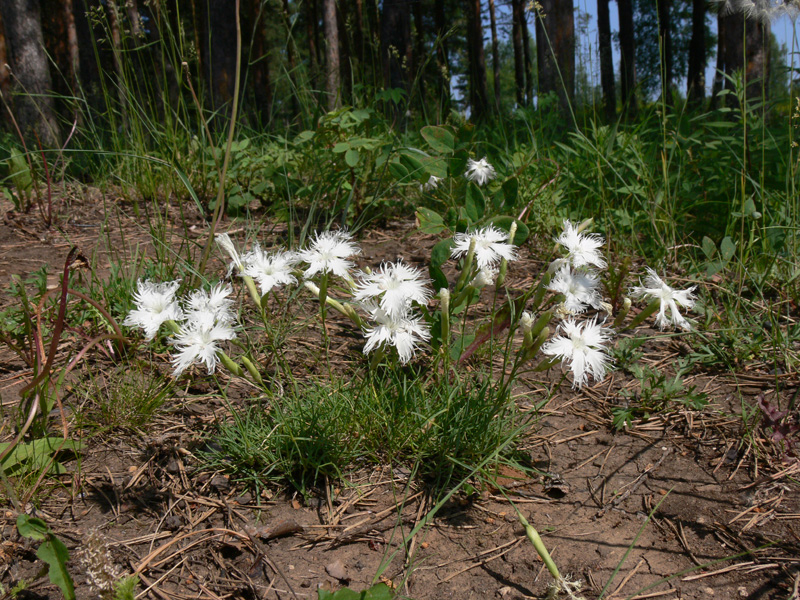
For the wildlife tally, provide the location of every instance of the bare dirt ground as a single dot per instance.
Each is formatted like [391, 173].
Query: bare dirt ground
[724, 507]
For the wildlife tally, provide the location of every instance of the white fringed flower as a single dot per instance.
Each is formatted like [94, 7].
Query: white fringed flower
[395, 286]
[404, 332]
[578, 287]
[582, 248]
[581, 344]
[479, 171]
[155, 304]
[491, 246]
[328, 253]
[526, 321]
[485, 276]
[432, 183]
[654, 287]
[270, 269]
[224, 241]
[198, 343]
[210, 308]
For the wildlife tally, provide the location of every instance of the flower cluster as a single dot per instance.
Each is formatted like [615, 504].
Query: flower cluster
[390, 304]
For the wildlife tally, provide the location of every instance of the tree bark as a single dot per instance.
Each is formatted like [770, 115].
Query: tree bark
[332, 80]
[478, 95]
[696, 80]
[517, 23]
[627, 49]
[442, 59]
[526, 50]
[30, 73]
[665, 41]
[752, 59]
[495, 56]
[555, 50]
[259, 57]
[606, 60]
[396, 48]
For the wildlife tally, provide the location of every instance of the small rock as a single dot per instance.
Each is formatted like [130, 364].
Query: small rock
[337, 571]
[305, 583]
[173, 522]
[245, 498]
[504, 591]
[708, 590]
[742, 591]
[172, 466]
[220, 483]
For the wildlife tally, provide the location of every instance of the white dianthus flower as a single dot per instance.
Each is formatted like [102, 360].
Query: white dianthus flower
[491, 246]
[654, 287]
[270, 269]
[582, 345]
[578, 287]
[395, 286]
[155, 304]
[198, 343]
[328, 253]
[479, 171]
[582, 248]
[404, 332]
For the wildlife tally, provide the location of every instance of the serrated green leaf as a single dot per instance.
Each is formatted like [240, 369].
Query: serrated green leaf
[56, 555]
[708, 246]
[351, 157]
[32, 527]
[727, 248]
[439, 138]
[475, 203]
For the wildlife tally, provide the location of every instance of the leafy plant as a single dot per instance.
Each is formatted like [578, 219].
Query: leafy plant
[379, 591]
[657, 392]
[52, 551]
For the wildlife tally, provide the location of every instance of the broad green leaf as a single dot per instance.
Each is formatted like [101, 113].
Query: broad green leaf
[436, 167]
[440, 253]
[438, 277]
[303, 136]
[727, 248]
[413, 164]
[475, 202]
[351, 157]
[379, 591]
[430, 221]
[341, 147]
[461, 344]
[504, 222]
[342, 594]
[397, 170]
[55, 554]
[510, 191]
[32, 527]
[439, 138]
[709, 248]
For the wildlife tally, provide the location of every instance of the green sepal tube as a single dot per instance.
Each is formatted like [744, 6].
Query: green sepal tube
[623, 313]
[251, 287]
[251, 368]
[229, 364]
[444, 299]
[537, 343]
[538, 544]
[649, 310]
[501, 275]
[467, 270]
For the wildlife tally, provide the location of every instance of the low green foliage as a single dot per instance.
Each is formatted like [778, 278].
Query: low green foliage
[52, 551]
[379, 591]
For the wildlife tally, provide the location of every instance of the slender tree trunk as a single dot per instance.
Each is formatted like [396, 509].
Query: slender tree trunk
[332, 80]
[495, 56]
[479, 97]
[719, 78]
[290, 58]
[419, 53]
[696, 80]
[30, 73]
[526, 49]
[517, 23]
[5, 78]
[606, 61]
[627, 50]
[72, 45]
[312, 39]
[555, 50]
[750, 58]
[396, 49]
[262, 85]
[442, 60]
[665, 41]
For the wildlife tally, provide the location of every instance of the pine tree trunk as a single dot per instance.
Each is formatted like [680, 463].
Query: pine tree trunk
[696, 80]
[627, 50]
[751, 59]
[419, 53]
[606, 61]
[33, 106]
[479, 97]
[259, 57]
[517, 23]
[495, 56]
[442, 60]
[555, 50]
[396, 49]
[665, 41]
[332, 81]
[526, 50]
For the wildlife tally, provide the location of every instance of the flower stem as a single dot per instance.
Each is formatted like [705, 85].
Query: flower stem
[649, 310]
